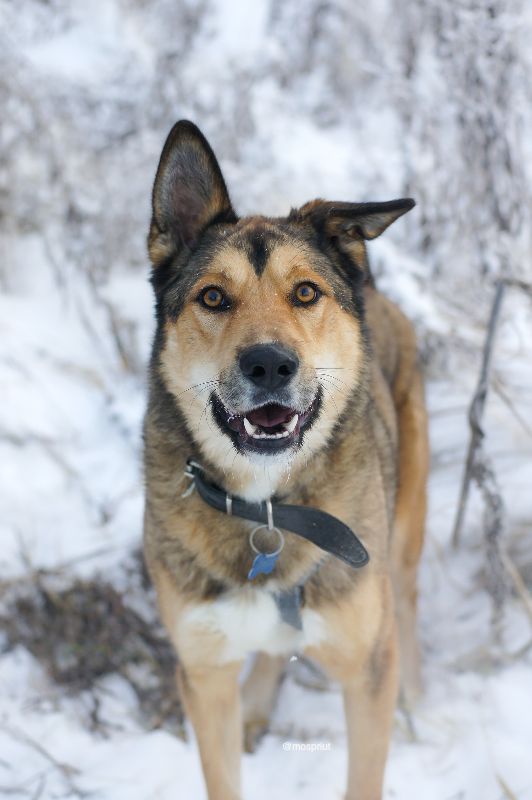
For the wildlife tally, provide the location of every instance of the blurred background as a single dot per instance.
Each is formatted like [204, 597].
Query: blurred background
[299, 99]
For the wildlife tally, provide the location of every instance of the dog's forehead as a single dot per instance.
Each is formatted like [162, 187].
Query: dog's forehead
[259, 247]
[259, 239]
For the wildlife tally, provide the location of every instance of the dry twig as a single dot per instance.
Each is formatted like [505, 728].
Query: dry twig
[67, 771]
[476, 411]
[479, 469]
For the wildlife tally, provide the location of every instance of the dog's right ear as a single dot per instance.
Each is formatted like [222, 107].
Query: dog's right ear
[189, 194]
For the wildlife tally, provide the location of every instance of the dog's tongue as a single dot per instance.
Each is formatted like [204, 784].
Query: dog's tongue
[269, 416]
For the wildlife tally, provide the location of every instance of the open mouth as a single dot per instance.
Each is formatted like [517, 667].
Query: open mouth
[269, 428]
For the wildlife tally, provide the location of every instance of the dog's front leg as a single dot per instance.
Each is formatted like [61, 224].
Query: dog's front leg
[259, 694]
[369, 701]
[212, 701]
[362, 654]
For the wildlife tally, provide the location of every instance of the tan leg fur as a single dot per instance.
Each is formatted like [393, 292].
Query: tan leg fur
[364, 659]
[409, 526]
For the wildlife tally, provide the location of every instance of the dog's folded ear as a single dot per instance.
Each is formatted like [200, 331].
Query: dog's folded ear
[189, 193]
[345, 227]
[352, 220]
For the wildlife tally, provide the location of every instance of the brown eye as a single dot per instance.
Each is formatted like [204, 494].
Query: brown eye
[305, 294]
[214, 299]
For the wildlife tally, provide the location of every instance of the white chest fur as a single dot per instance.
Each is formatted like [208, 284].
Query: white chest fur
[247, 621]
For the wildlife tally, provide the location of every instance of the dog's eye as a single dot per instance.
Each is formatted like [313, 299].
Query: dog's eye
[213, 298]
[305, 294]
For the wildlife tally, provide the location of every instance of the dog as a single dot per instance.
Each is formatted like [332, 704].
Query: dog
[286, 459]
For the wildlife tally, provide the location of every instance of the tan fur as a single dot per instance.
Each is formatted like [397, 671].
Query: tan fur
[373, 478]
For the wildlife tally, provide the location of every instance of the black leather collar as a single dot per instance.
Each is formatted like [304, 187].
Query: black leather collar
[322, 529]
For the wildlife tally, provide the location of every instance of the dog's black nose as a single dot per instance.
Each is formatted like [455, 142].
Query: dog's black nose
[269, 366]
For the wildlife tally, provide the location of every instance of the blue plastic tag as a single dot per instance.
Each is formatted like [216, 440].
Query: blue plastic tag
[263, 564]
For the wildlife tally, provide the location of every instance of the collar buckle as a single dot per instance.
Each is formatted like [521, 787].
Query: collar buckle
[188, 473]
[269, 512]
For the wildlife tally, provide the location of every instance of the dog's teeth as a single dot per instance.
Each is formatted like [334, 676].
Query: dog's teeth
[263, 435]
[250, 429]
[290, 426]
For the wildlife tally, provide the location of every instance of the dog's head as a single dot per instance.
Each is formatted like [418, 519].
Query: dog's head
[261, 335]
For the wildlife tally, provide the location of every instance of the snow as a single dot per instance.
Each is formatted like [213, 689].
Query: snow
[92, 92]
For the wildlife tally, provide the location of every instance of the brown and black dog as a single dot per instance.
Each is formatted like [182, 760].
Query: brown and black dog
[280, 369]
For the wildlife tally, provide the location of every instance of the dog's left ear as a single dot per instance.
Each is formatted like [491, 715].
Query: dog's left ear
[347, 225]
[189, 193]
[353, 220]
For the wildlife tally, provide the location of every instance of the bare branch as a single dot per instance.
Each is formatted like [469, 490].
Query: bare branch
[484, 476]
[476, 410]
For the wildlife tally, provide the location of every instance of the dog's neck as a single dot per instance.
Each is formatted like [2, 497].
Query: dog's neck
[259, 482]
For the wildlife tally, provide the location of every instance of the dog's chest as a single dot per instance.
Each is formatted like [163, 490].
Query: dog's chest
[246, 621]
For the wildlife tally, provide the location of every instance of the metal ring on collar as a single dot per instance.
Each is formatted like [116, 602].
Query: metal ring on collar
[270, 530]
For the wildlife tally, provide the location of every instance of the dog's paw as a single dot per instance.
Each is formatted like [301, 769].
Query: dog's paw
[254, 730]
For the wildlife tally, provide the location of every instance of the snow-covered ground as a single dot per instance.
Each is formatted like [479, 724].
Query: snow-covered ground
[88, 113]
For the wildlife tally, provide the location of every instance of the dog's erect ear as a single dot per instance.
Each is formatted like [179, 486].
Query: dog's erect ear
[189, 193]
[353, 220]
